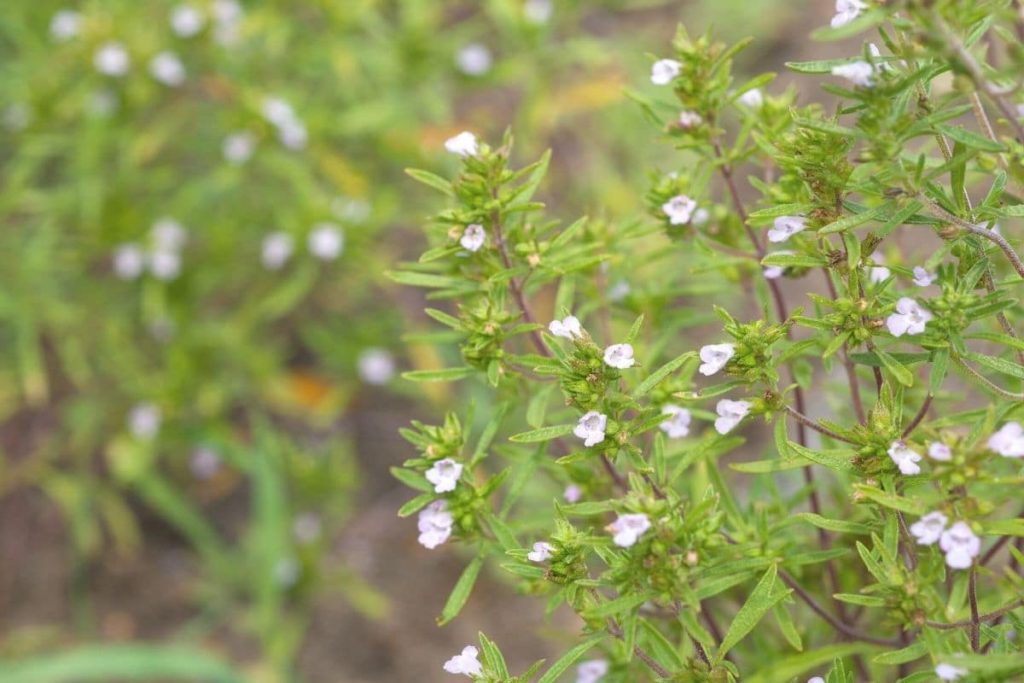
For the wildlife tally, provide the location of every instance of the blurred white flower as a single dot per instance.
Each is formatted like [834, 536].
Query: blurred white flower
[129, 260]
[307, 528]
[905, 457]
[165, 264]
[538, 11]
[238, 147]
[678, 423]
[910, 318]
[679, 209]
[276, 249]
[277, 111]
[168, 69]
[847, 11]
[591, 428]
[540, 553]
[293, 135]
[568, 327]
[960, 545]
[775, 272]
[474, 59]
[730, 414]
[326, 242]
[434, 524]
[664, 71]
[228, 16]
[226, 10]
[785, 227]
[700, 217]
[619, 356]
[878, 272]
[939, 451]
[929, 528]
[464, 144]
[816, 679]
[473, 237]
[204, 462]
[187, 21]
[444, 475]
[65, 25]
[376, 366]
[714, 357]
[112, 59]
[948, 672]
[922, 278]
[144, 420]
[859, 73]
[753, 98]
[1008, 441]
[572, 493]
[168, 234]
[591, 671]
[628, 528]
[690, 119]
[465, 663]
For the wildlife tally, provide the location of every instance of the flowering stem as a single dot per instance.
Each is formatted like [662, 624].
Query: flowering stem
[821, 429]
[972, 592]
[616, 631]
[990, 235]
[991, 616]
[986, 381]
[851, 371]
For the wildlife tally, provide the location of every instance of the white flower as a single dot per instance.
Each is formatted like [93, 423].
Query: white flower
[816, 679]
[859, 73]
[168, 69]
[466, 663]
[538, 11]
[186, 21]
[664, 71]
[700, 217]
[293, 135]
[948, 672]
[144, 420]
[541, 552]
[165, 265]
[473, 237]
[922, 278]
[444, 475]
[628, 529]
[678, 423]
[591, 671]
[960, 545]
[65, 25]
[434, 524]
[568, 327]
[939, 451]
[785, 227]
[464, 144]
[730, 414]
[238, 147]
[168, 234]
[714, 357]
[591, 427]
[572, 493]
[752, 98]
[474, 59]
[277, 111]
[690, 119]
[129, 261]
[227, 11]
[1008, 441]
[326, 241]
[112, 59]
[276, 249]
[910, 318]
[204, 462]
[929, 528]
[307, 527]
[847, 11]
[905, 457]
[679, 209]
[376, 366]
[619, 356]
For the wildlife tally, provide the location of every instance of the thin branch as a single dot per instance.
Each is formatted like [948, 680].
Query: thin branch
[515, 285]
[983, 618]
[851, 371]
[919, 417]
[821, 429]
[616, 631]
[990, 235]
[972, 592]
[986, 381]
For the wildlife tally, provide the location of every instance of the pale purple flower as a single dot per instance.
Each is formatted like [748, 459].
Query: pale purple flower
[905, 457]
[878, 272]
[572, 493]
[538, 11]
[785, 227]
[619, 356]
[847, 11]
[541, 552]
[473, 237]
[65, 25]
[129, 261]
[168, 69]
[187, 21]
[591, 428]
[591, 671]
[940, 451]
[690, 119]
[928, 530]
[960, 545]
[376, 366]
[568, 327]
[922, 278]
[948, 672]
[860, 73]
[434, 524]
[464, 144]
[678, 423]
[679, 209]
[775, 272]
[664, 71]
[465, 663]
[730, 414]
[444, 475]
[112, 59]
[204, 463]
[714, 357]
[474, 59]
[144, 420]
[326, 242]
[628, 529]
[276, 249]
[910, 318]
[753, 98]
[1008, 441]
[238, 147]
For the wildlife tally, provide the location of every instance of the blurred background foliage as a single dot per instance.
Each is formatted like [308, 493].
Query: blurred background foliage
[197, 385]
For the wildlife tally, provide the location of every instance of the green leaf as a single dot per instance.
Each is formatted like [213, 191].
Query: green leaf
[900, 372]
[416, 504]
[413, 480]
[856, 219]
[634, 331]
[130, 662]
[940, 366]
[969, 139]
[1004, 527]
[661, 373]
[837, 525]
[585, 509]
[460, 594]
[619, 605]
[415, 279]
[431, 180]
[761, 600]
[799, 260]
[1000, 365]
[902, 656]
[890, 500]
[862, 600]
[443, 375]
[568, 659]
[542, 434]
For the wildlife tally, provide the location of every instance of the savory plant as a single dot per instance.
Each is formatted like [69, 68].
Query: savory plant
[784, 442]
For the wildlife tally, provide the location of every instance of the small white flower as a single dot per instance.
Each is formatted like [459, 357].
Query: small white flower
[464, 144]
[568, 327]
[65, 25]
[714, 357]
[591, 671]
[204, 462]
[730, 414]
[538, 11]
[168, 69]
[277, 111]
[690, 119]
[910, 318]
[168, 234]
[847, 11]
[922, 278]
[293, 135]
[679, 209]
[434, 524]
[307, 528]
[775, 272]
[474, 59]
[619, 356]
[929, 528]
[376, 366]
[752, 98]
[541, 552]
[165, 264]
[628, 529]
[444, 475]
[859, 73]
[948, 672]
[905, 457]
[238, 147]
[112, 59]
[785, 227]
[129, 261]
[572, 493]
[664, 71]
[326, 241]
[276, 249]
[940, 451]
[1008, 441]
[186, 21]
[960, 545]
[816, 679]
[227, 11]
[678, 423]
[700, 217]
[591, 428]
[465, 663]
[473, 237]
[878, 272]
[144, 420]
